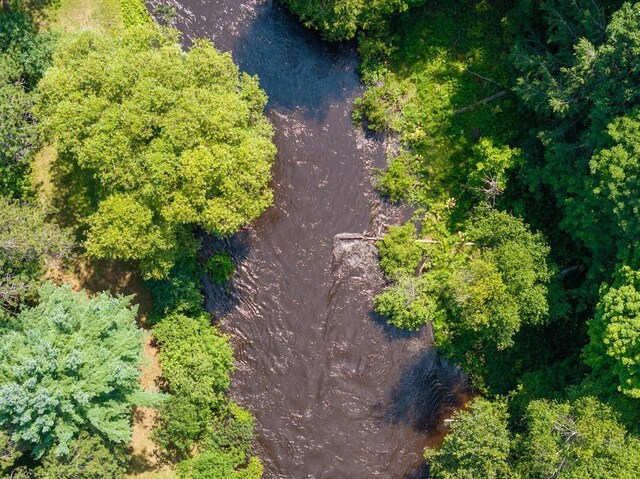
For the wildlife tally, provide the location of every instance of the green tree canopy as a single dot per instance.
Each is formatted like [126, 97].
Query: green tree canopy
[168, 140]
[67, 365]
[341, 19]
[614, 348]
[196, 363]
[215, 464]
[477, 287]
[88, 458]
[27, 242]
[579, 74]
[196, 359]
[576, 440]
[24, 55]
[478, 446]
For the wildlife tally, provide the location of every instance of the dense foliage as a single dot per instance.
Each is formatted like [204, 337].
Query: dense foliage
[27, 243]
[479, 446]
[515, 127]
[66, 365]
[514, 131]
[341, 19]
[152, 143]
[477, 287]
[565, 440]
[196, 363]
[24, 55]
[164, 140]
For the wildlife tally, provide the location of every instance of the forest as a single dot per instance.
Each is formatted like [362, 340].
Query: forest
[514, 138]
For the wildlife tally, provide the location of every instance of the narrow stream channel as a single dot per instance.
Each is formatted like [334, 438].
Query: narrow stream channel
[336, 393]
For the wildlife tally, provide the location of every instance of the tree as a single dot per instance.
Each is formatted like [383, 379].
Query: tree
[576, 440]
[613, 186]
[196, 359]
[341, 19]
[27, 243]
[88, 458]
[400, 254]
[196, 363]
[579, 75]
[478, 287]
[169, 140]
[614, 350]
[477, 446]
[24, 55]
[215, 464]
[410, 302]
[68, 365]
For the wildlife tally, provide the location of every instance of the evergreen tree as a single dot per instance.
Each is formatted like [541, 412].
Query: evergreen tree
[67, 365]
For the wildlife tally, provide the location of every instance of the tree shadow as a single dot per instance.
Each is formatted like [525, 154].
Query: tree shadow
[220, 299]
[392, 332]
[422, 472]
[428, 390]
[297, 68]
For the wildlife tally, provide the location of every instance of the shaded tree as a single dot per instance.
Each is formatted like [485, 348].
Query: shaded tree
[27, 243]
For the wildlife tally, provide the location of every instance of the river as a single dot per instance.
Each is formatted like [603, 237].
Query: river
[336, 392]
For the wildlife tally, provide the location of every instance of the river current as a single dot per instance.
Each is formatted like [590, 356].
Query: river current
[335, 391]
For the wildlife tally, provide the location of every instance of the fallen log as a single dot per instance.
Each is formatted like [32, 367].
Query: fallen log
[361, 237]
[500, 94]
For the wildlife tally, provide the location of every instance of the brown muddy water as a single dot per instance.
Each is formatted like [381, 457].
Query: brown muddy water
[335, 391]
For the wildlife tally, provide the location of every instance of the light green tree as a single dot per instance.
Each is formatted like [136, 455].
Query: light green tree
[478, 445]
[167, 141]
[614, 348]
[574, 441]
[477, 288]
[27, 243]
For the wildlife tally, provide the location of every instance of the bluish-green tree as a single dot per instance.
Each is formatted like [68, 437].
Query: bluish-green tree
[69, 364]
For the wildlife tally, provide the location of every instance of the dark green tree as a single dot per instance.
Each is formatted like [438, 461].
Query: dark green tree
[341, 19]
[24, 55]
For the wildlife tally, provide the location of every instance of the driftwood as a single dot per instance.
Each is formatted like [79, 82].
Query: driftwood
[356, 237]
[500, 94]
[362, 237]
[568, 271]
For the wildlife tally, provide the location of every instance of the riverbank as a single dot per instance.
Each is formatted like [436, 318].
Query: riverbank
[93, 276]
[336, 393]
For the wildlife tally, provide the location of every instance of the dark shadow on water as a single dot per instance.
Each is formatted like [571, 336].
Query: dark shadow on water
[421, 473]
[297, 68]
[427, 390]
[392, 332]
[221, 299]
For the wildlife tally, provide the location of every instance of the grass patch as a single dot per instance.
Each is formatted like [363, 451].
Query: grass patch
[80, 15]
[48, 179]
